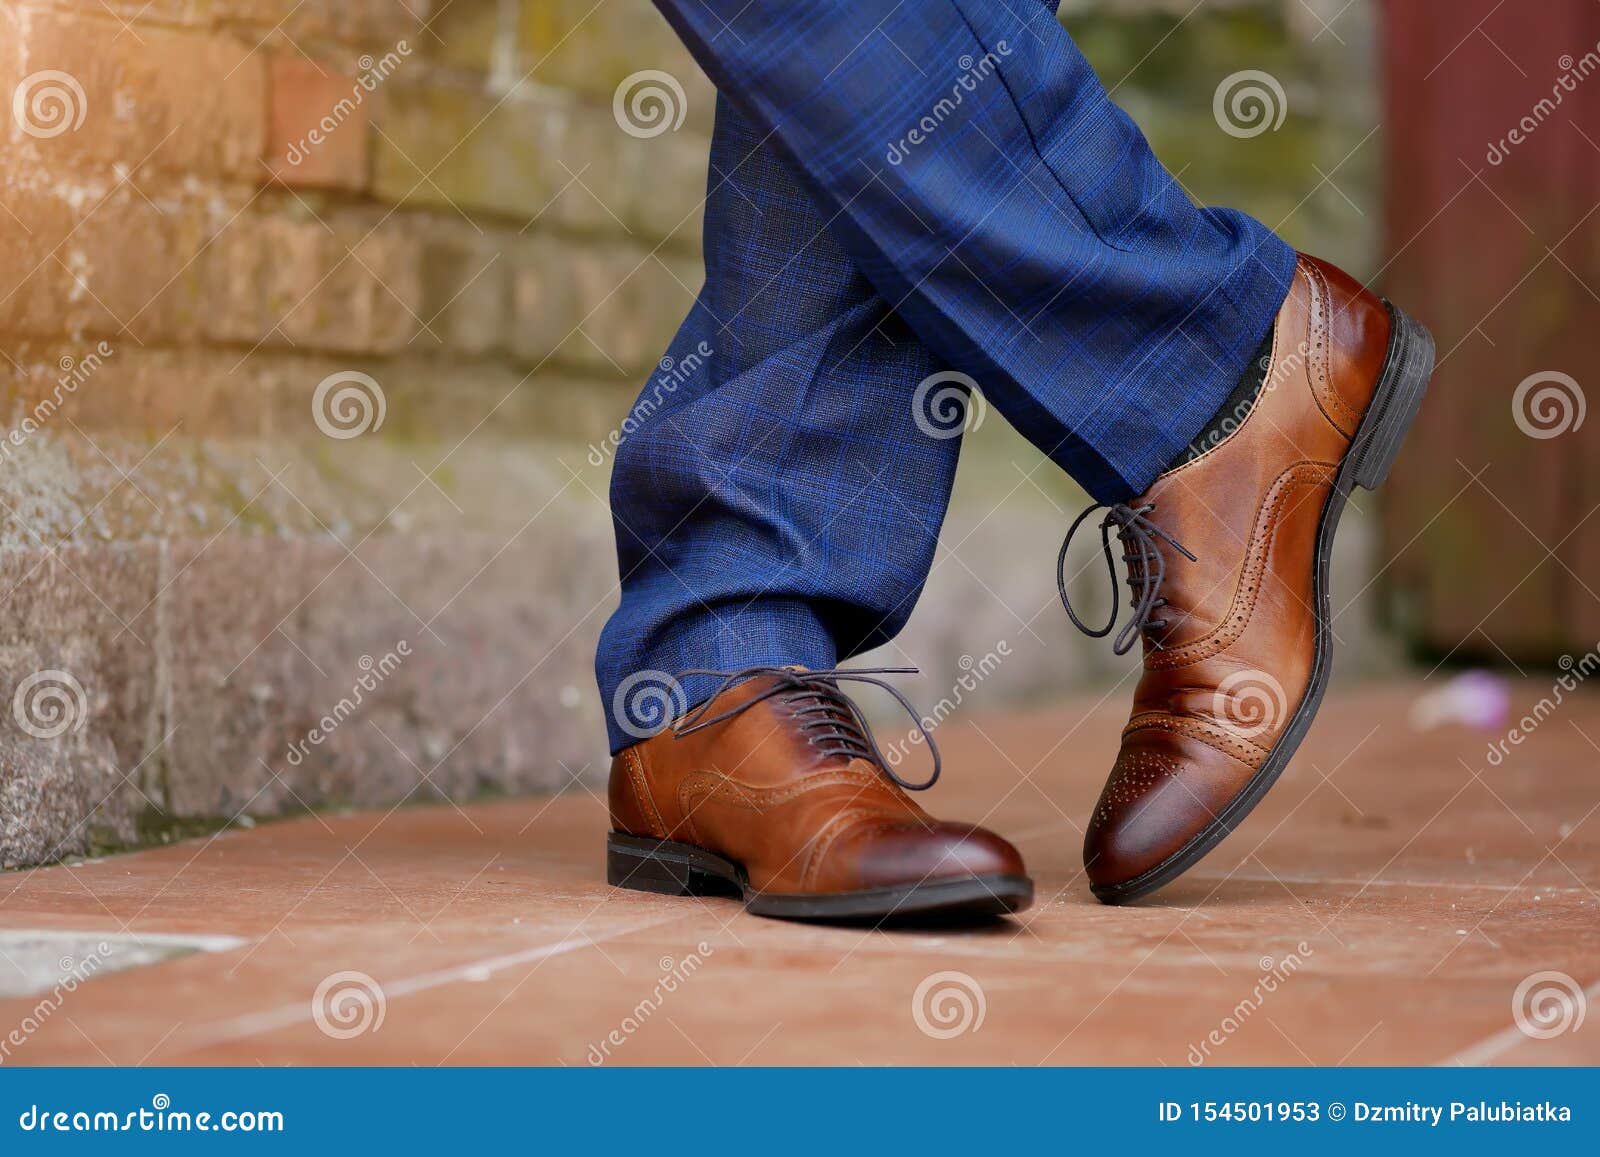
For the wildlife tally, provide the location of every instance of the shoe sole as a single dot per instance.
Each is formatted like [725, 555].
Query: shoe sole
[670, 868]
[1407, 369]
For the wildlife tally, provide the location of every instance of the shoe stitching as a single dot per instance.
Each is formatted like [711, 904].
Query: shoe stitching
[699, 787]
[823, 841]
[642, 792]
[1320, 338]
[1300, 475]
[1213, 735]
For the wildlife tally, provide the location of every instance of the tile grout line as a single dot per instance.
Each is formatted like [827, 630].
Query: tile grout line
[254, 1024]
[1451, 885]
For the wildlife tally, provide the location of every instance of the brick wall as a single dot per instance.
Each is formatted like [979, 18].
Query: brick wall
[314, 318]
[207, 209]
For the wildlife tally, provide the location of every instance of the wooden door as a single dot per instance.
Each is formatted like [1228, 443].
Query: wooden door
[1492, 515]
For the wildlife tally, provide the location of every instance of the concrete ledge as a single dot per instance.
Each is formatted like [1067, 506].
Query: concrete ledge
[329, 640]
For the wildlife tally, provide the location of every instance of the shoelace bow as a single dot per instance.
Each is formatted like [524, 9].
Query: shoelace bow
[831, 719]
[1146, 570]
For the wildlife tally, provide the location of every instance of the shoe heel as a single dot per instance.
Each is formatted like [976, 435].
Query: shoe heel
[1406, 372]
[669, 868]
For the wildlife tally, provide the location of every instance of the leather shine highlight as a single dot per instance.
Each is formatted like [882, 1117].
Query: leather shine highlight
[755, 790]
[1243, 618]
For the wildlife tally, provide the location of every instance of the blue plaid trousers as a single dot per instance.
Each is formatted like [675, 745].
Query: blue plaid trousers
[903, 195]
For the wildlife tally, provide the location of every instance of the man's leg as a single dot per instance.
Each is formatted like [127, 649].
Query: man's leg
[773, 497]
[972, 165]
[777, 506]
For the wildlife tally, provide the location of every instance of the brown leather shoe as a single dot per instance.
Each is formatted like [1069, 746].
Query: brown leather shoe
[774, 790]
[1235, 620]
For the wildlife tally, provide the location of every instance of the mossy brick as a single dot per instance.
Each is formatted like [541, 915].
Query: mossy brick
[318, 125]
[390, 294]
[233, 284]
[360, 24]
[593, 49]
[616, 183]
[167, 99]
[28, 273]
[342, 291]
[577, 45]
[364, 23]
[466, 283]
[663, 187]
[631, 303]
[592, 163]
[544, 298]
[454, 148]
[126, 263]
[468, 34]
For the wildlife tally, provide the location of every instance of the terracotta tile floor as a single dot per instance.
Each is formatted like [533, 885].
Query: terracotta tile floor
[1400, 885]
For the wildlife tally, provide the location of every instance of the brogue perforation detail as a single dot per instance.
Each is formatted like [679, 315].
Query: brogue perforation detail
[1133, 775]
[1320, 340]
[1301, 475]
[1211, 734]
[846, 821]
[702, 785]
[641, 790]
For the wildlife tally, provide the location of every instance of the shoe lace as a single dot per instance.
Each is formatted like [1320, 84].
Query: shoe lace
[1146, 570]
[829, 717]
